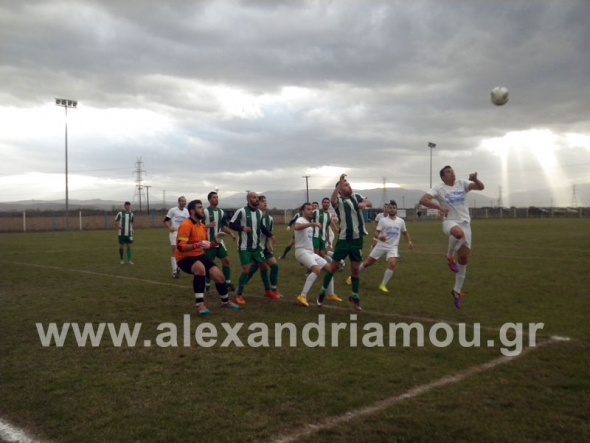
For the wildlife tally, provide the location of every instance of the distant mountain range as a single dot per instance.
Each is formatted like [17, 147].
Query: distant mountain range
[407, 198]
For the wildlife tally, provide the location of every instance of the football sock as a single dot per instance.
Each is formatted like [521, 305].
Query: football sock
[128, 254]
[309, 281]
[356, 282]
[253, 270]
[287, 249]
[387, 276]
[121, 253]
[265, 280]
[460, 277]
[242, 283]
[173, 263]
[274, 276]
[226, 273]
[452, 246]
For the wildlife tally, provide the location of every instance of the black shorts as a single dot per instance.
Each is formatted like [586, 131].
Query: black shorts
[187, 263]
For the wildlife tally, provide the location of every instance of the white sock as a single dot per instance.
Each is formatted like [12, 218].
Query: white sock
[330, 253]
[387, 276]
[453, 245]
[330, 290]
[309, 281]
[328, 258]
[460, 277]
[173, 263]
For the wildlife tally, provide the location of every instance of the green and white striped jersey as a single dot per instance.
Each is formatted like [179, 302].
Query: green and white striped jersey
[217, 216]
[324, 218]
[248, 241]
[350, 217]
[125, 219]
[269, 224]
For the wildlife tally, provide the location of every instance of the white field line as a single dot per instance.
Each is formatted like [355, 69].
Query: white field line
[310, 429]
[332, 307]
[9, 433]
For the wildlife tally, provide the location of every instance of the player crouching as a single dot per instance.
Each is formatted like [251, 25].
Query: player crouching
[191, 241]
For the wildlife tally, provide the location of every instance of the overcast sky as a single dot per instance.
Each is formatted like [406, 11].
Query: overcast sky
[256, 94]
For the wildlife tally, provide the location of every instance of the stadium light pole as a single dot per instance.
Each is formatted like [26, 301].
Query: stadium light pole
[66, 103]
[431, 146]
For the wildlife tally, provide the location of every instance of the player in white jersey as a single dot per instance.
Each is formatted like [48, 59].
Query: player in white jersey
[449, 197]
[173, 219]
[304, 253]
[387, 235]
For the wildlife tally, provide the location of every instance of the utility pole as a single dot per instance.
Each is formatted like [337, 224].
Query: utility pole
[147, 190]
[500, 204]
[574, 199]
[139, 180]
[164, 198]
[306, 177]
[384, 192]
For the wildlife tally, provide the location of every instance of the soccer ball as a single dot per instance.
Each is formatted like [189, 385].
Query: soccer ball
[499, 96]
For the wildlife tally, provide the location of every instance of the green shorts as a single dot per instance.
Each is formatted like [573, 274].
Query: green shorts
[125, 239]
[267, 254]
[248, 257]
[349, 248]
[319, 244]
[213, 253]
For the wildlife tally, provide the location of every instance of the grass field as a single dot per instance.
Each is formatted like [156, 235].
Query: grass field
[521, 271]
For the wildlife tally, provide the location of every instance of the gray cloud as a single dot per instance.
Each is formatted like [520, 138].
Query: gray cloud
[382, 79]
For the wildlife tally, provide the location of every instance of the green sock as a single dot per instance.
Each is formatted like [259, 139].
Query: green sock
[253, 270]
[242, 283]
[287, 249]
[274, 276]
[265, 280]
[356, 283]
[327, 279]
[128, 254]
[121, 253]
[227, 273]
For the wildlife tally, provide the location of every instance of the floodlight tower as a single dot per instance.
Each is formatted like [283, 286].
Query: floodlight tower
[66, 103]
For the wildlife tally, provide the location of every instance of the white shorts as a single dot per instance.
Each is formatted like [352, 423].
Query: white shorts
[465, 226]
[381, 249]
[309, 259]
[172, 237]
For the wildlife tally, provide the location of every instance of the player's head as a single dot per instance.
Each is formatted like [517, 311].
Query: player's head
[262, 203]
[447, 175]
[213, 198]
[315, 205]
[345, 188]
[391, 208]
[196, 210]
[182, 202]
[252, 198]
[306, 210]
[325, 203]
[127, 206]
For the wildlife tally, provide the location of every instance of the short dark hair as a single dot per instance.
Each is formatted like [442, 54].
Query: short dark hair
[261, 198]
[303, 206]
[315, 203]
[392, 203]
[442, 171]
[324, 199]
[127, 203]
[211, 194]
[193, 204]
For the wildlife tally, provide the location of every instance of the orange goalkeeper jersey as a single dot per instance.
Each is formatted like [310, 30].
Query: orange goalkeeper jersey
[190, 232]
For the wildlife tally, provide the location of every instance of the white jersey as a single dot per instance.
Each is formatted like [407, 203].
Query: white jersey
[379, 217]
[304, 237]
[392, 229]
[454, 199]
[177, 216]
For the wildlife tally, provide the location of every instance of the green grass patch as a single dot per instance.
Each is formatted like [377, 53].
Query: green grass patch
[521, 271]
